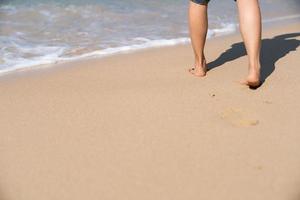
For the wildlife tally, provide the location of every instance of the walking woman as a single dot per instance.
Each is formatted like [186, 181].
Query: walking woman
[250, 27]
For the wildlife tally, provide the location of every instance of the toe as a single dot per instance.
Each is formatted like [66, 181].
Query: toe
[196, 72]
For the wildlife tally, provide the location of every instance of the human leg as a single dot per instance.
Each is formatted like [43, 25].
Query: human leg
[198, 25]
[250, 27]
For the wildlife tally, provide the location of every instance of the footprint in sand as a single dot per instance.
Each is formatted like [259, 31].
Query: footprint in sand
[238, 118]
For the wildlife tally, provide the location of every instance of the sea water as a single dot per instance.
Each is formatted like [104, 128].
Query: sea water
[35, 32]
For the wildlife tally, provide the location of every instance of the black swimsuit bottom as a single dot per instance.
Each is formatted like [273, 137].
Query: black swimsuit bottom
[202, 1]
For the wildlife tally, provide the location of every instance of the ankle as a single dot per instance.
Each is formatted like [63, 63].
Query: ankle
[200, 61]
[254, 65]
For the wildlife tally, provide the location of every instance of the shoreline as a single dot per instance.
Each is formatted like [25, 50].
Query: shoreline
[268, 24]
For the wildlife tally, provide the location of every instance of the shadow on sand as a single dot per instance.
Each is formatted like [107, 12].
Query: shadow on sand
[272, 50]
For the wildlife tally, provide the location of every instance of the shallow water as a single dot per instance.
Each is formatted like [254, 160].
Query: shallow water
[46, 31]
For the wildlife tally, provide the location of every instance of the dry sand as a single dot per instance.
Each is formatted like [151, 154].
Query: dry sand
[138, 126]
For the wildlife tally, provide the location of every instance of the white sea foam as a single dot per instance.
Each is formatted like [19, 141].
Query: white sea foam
[54, 54]
[54, 57]
[277, 19]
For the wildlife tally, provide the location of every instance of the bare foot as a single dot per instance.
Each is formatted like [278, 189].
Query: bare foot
[253, 79]
[199, 70]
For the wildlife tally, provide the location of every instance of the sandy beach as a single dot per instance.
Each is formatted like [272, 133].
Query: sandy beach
[138, 126]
